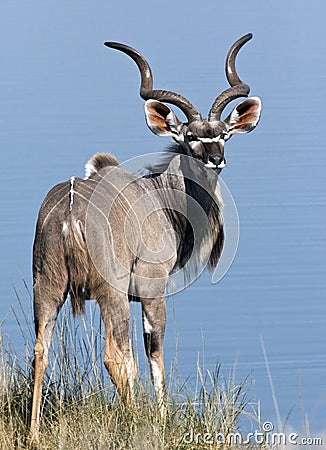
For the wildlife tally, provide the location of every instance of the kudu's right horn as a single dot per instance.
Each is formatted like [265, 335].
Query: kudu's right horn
[146, 88]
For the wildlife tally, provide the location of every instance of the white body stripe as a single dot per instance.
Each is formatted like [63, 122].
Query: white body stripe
[79, 228]
[72, 181]
[65, 230]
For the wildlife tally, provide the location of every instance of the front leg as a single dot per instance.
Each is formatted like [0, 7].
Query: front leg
[154, 319]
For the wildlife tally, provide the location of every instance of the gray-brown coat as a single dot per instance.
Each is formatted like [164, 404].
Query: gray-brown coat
[116, 237]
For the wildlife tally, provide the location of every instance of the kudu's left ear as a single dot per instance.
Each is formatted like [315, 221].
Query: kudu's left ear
[161, 120]
[244, 117]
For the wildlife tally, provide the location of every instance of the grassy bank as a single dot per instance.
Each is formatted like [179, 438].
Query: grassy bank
[80, 411]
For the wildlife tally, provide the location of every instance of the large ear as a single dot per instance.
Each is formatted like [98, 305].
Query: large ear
[244, 117]
[161, 120]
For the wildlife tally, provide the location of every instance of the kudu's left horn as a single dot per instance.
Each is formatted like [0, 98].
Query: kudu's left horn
[146, 88]
[238, 88]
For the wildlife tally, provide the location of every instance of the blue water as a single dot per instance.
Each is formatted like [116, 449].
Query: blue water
[64, 96]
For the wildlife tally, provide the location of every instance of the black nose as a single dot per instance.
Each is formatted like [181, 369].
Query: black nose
[218, 161]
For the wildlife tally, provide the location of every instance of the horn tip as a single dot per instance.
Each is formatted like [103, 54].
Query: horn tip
[247, 37]
[109, 44]
[116, 45]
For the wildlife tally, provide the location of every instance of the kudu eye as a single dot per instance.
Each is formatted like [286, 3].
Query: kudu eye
[191, 137]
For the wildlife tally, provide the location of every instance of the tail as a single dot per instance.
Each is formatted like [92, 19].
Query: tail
[78, 263]
[98, 162]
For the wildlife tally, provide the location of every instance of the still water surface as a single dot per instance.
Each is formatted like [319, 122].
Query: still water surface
[64, 96]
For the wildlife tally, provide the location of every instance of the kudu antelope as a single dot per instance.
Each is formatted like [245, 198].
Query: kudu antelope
[116, 237]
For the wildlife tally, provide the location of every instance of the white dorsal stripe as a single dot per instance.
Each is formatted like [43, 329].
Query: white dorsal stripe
[72, 192]
[89, 170]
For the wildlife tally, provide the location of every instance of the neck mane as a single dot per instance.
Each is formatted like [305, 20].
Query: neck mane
[194, 212]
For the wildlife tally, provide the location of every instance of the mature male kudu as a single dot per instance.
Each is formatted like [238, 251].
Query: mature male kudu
[116, 237]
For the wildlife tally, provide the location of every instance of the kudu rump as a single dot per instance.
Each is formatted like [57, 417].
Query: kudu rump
[117, 237]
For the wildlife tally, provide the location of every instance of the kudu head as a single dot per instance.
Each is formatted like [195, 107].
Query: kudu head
[200, 138]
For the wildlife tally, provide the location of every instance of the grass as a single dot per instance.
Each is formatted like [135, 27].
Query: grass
[80, 410]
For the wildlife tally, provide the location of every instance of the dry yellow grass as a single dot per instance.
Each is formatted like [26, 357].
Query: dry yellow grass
[80, 411]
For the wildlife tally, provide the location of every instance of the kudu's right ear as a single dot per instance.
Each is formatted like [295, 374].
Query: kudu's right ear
[161, 120]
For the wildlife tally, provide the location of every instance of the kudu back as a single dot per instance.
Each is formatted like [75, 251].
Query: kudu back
[117, 237]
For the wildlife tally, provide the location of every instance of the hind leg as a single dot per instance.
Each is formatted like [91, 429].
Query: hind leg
[118, 359]
[47, 303]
